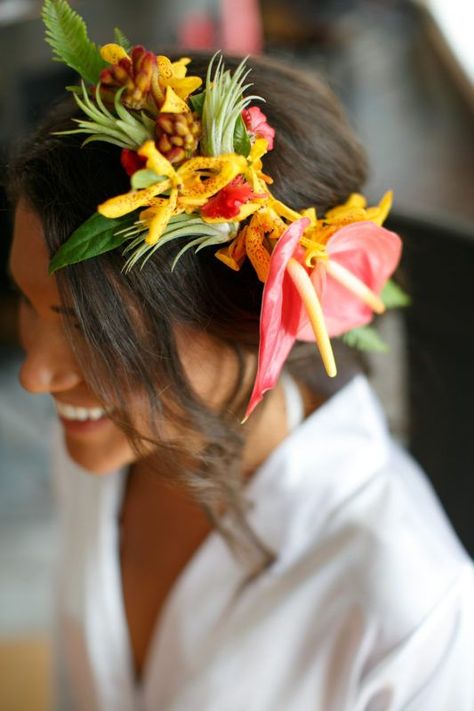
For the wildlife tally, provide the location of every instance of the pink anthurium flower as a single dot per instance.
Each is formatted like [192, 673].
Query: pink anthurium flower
[280, 314]
[339, 293]
[361, 258]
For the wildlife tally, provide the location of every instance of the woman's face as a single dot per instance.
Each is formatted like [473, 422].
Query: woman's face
[92, 439]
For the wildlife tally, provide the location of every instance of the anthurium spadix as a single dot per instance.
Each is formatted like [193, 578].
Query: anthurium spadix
[339, 292]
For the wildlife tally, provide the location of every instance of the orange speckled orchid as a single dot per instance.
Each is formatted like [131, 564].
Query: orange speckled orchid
[195, 162]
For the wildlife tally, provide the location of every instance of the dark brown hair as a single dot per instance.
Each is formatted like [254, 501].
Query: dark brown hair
[129, 321]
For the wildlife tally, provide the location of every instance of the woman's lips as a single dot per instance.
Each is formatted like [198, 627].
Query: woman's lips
[81, 420]
[86, 426]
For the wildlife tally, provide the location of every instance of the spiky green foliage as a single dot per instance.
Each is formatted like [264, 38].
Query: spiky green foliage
[222, 107]
[122, 128]
[122, 40]
[393, 296]
[365, 338]
[66, 32]
[200, 234]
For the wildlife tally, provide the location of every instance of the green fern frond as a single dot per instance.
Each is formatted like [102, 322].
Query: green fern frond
[223, 105]
[122, 40]
[196, 230]
[125, 131]
[66, 32]
[365, 338]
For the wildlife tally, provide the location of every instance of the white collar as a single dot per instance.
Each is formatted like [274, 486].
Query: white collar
[321, 463]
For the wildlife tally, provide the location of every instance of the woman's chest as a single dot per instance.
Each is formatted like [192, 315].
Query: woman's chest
[156, 543]
[146, 583]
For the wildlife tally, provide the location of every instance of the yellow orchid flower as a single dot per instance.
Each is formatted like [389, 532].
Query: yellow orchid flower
[379, 213]
[127, 202]
[112, 53]
[123, 204]
[157, 162]
[180, 67]
[233, 255]
[254, 174]
[265, 224]
[173, 104]
[192, 185]
[203, 176]
[310, 213]
[355, 210]
[172, 75]
[166, 80]
[284, 211]
[158, 215]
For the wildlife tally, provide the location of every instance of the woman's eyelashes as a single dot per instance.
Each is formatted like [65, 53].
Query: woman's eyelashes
[64, 311]
[69, 314]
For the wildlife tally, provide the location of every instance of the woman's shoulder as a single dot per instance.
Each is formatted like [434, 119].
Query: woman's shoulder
[356, 504]
[403, 557]
[364, 546]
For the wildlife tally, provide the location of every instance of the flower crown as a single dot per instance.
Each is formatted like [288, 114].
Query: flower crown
[194, 157]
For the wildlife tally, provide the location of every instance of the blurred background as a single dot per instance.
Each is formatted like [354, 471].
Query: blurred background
[405, 73]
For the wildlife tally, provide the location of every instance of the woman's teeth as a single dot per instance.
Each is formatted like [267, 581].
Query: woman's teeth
[69, 412]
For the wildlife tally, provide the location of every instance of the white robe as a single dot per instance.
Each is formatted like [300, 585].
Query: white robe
[369, 606]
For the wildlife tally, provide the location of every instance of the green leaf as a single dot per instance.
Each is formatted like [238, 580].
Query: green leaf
[197, 102]
[393, 296]
[66, 32]
[144, 178]
[365, 338]
[122, 40]
[95, 236]
[241, 138]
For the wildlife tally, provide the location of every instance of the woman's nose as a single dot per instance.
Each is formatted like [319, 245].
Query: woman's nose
[48, 367]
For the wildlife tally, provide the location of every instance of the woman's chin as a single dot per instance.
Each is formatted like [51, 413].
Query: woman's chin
[100, 456]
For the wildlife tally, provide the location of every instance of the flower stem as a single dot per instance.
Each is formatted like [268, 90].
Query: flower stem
[307, 292]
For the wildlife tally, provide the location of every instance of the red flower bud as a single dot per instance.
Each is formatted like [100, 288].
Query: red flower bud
[131, 161]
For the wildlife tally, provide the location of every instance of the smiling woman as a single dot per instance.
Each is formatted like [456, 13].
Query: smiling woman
[298, 560]
[50, 366]
[202, 296]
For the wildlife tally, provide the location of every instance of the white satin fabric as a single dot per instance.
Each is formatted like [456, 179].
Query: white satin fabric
[369, 606]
